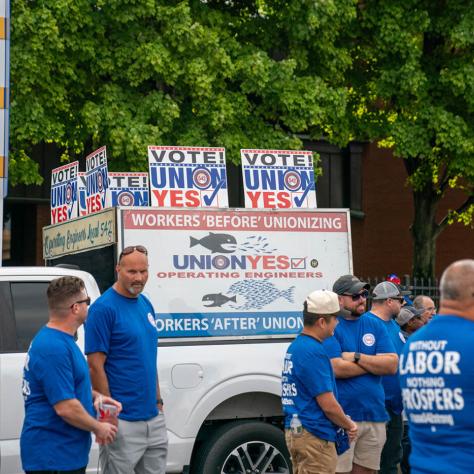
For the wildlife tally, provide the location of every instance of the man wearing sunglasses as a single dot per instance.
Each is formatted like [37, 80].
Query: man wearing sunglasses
[121, 347]
[387, 302]
[361, 352]
[59, 413]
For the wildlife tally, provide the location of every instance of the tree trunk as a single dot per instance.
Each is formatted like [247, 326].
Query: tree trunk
[424, 232]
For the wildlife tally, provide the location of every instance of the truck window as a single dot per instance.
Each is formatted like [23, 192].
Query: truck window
[31, 310]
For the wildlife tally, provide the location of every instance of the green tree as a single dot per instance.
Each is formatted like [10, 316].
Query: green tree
[130, 74]
[412, 89]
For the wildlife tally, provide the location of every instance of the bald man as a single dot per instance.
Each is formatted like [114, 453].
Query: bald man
[437, 380]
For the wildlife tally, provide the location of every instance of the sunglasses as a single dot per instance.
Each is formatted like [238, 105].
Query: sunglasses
[87, 301]
[357, 296]
[400, 300]
[131, 249]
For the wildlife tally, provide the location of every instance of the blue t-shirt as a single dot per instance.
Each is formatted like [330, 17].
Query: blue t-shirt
[55, 370]
[437, 380]
[125, 330]
[391, 383]
[362, 397]
[307, 373]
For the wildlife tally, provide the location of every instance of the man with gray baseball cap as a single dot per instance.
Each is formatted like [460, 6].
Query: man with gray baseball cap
[309, 390]
[360, 352]
[410, 320]
[387, 301]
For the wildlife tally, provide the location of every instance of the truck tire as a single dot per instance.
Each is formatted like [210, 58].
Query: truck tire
[246, 447]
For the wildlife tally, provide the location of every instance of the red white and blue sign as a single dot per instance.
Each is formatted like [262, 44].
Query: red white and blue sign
[82, 194]
[187, 176]
[64, 192]
[97, 181]
[129, 189]
[278, 179]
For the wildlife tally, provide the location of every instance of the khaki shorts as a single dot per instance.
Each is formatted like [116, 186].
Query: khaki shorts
[310, 454]
[366, 449]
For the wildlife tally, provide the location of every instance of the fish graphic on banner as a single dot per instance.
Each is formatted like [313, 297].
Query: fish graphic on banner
[187, 176]
[64, 192]
[278, 179]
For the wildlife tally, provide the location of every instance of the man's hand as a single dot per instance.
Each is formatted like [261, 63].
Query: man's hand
[100, 399]
[352, 432]
[105, 432]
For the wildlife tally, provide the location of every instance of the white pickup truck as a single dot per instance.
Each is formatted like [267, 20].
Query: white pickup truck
[222, 402]
[227, 287]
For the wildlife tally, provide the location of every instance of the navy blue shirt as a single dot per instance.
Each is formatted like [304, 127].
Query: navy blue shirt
[55, 370]
[307, 373]
[437, 380]
[391, 383]
[125, 330]
[362, 397]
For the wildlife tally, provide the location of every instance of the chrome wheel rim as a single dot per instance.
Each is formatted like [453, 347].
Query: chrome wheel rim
[255, 457]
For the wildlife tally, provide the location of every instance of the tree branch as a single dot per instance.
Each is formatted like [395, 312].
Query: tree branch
[444, 222]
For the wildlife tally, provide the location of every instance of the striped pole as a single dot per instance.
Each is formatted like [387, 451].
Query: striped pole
[4, 106]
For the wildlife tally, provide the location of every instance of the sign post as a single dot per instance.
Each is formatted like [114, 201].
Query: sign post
[4, 106]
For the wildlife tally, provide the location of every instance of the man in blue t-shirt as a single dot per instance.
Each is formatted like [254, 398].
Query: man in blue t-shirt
[361, 352]
[309, 394]
[437, 380]
[387, 300]
[121, 347]
[59, 414]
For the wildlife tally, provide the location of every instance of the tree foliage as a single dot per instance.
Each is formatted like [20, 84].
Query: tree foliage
[128, 74]
[413, 90]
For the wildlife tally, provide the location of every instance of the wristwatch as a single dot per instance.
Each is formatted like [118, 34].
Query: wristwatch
[159, 401]
[356, 357]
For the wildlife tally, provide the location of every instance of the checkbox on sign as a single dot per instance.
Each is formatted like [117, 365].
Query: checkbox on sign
[298, 263]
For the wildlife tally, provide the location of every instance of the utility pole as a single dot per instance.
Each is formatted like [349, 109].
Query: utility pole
[4, 107]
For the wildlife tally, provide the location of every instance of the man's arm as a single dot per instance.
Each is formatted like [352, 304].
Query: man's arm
[73, 413]
[344, 369]
[96, 361]
[335, 413]
[379, 364]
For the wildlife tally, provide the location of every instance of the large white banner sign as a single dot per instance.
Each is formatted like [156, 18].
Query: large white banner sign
[278, 179]
[218, 273]
[187, 176]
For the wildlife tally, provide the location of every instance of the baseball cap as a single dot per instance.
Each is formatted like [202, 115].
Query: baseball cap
[322, 302]
[406, 314]
[349, 284]
[385, 290]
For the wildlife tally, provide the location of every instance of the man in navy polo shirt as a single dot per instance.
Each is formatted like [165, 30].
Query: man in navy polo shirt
[121, 347]
[437, 380]
[309, 390]
[387, 299]
[361, 352]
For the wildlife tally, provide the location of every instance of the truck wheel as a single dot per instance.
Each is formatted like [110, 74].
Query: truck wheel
[246, 447]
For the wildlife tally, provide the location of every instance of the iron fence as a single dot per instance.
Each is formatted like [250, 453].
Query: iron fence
[417, 286]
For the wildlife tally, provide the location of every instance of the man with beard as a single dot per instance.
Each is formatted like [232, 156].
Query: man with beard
[121, 348]
[387, 302]
[361, 352]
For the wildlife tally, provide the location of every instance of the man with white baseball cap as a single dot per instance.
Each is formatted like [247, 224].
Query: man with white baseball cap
[361, 352]
[309, 390]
